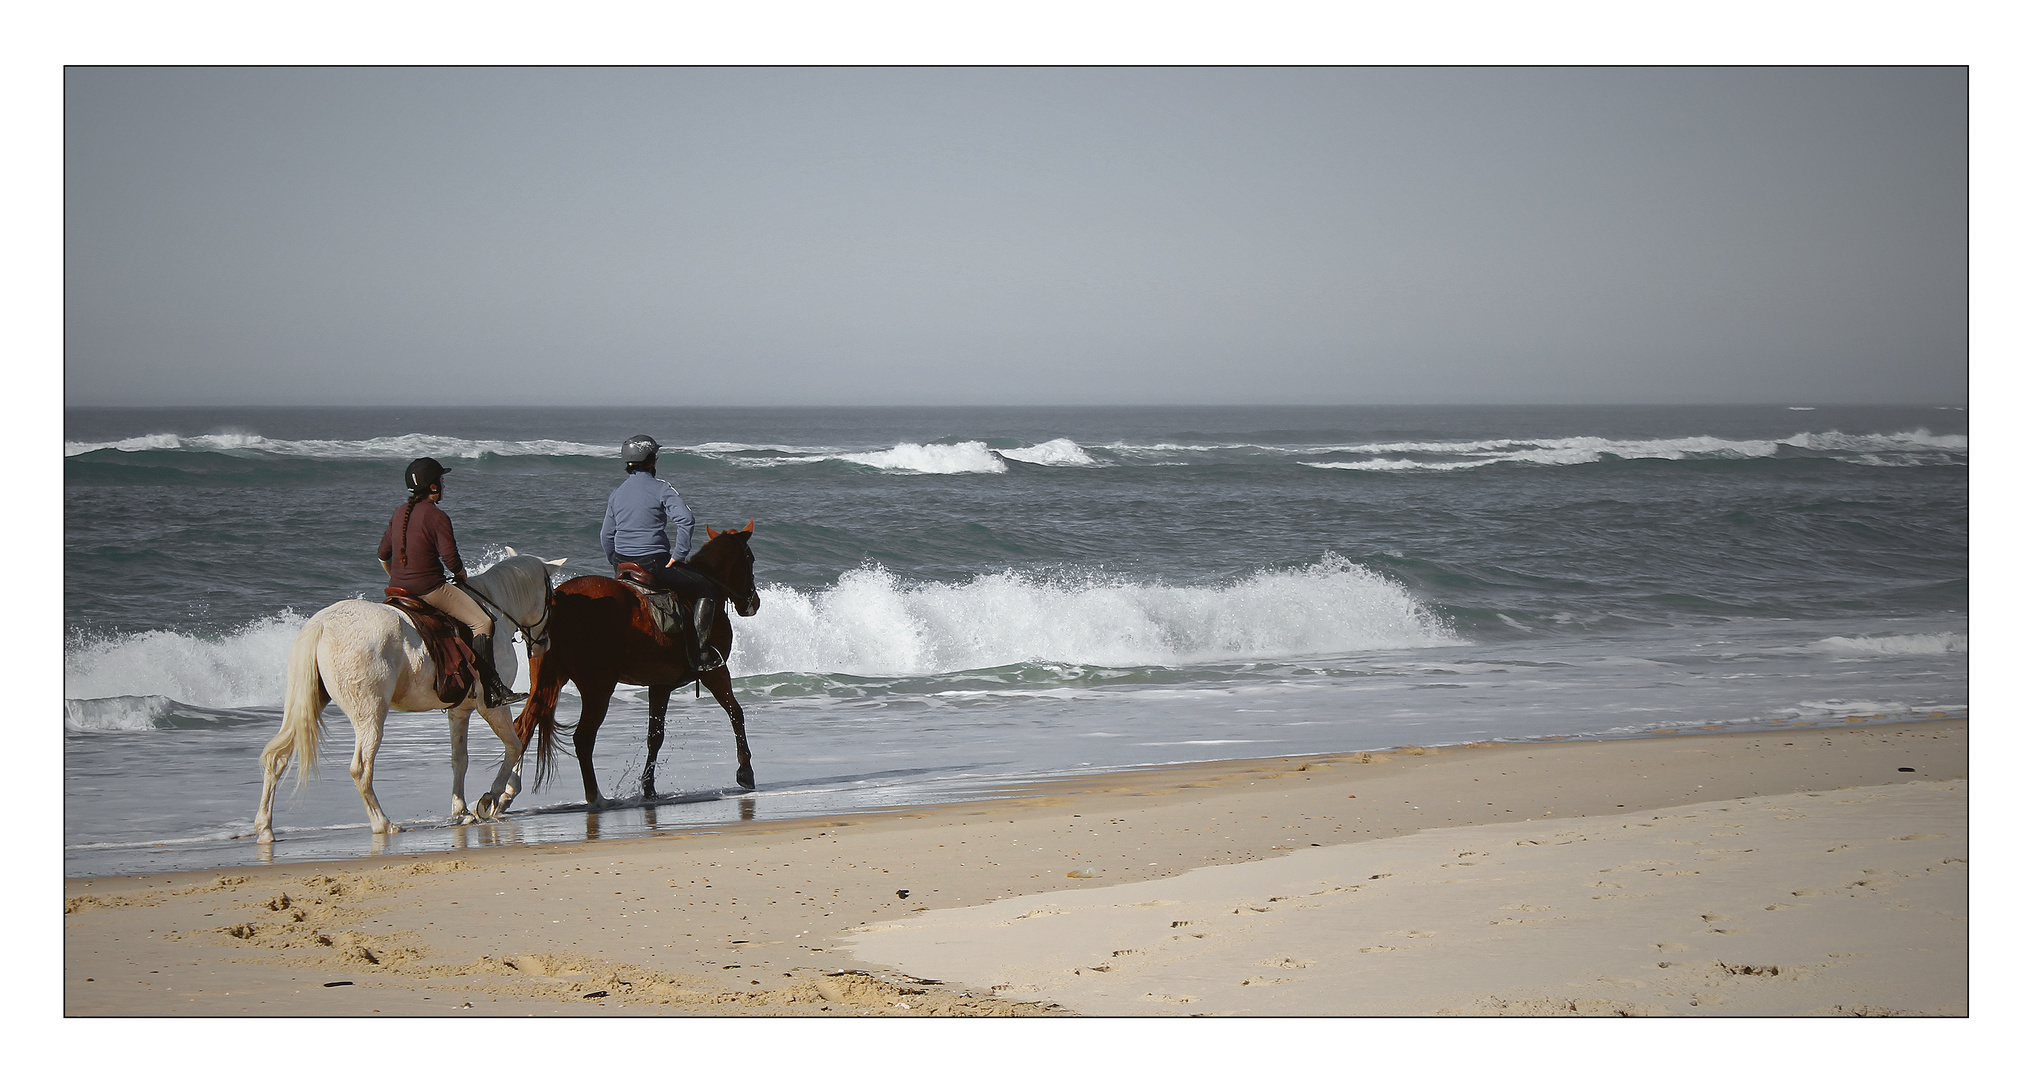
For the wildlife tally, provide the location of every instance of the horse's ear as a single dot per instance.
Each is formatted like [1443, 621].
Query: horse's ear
[750, 527]
[710, 534]
[510, 550]
[555, 562]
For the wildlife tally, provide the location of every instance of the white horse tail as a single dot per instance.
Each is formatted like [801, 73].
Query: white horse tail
[303, 708]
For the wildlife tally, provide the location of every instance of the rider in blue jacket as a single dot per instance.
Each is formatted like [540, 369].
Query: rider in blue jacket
[633, 531]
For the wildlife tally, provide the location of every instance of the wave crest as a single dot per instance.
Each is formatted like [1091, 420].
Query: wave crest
[243, 668]
[873, 623]
[1906, 448]
[1940, 644]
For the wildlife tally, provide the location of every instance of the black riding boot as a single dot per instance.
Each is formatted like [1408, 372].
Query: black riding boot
[493, 693]
[705, 657]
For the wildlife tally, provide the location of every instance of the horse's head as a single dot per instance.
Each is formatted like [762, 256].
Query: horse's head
[726, 558]
[525, 589]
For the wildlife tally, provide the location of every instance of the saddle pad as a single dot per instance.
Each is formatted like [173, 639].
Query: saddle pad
[445, 641]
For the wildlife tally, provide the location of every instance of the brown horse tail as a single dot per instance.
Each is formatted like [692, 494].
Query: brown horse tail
[303, 708]
[541, 714]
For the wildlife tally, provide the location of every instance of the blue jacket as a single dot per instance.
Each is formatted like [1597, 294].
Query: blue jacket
[637, 512]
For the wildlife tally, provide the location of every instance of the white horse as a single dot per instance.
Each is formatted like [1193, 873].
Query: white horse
[369, 659]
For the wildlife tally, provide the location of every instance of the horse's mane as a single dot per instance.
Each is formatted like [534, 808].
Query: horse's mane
[515, 583]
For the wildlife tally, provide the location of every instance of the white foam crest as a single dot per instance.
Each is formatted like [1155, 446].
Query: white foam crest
[941, 458]
[1587, 449]
[818, 453]
[873, 623]
[390, 447]
[1940, 644]
[1396, 465]
[242, 669]
[115, 713]
[1054, 452]
[1908, 441]
[1848, 710]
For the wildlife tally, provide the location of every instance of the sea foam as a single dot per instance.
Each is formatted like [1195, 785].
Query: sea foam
[1055, 452]
[1897, 449]
[873, 623]
[240, 669]
[1940, 644]
[392, 447]
[115, 713]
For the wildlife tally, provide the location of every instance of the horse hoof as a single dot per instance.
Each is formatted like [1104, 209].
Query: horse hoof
[264, 837]
[745, 778]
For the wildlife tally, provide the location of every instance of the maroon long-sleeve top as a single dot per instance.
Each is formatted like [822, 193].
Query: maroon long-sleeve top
[421, 553]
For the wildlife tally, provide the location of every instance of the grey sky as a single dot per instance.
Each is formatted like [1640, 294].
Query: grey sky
[1029, 235]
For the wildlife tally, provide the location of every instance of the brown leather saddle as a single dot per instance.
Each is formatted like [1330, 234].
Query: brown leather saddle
[664, 605]
[445, 640]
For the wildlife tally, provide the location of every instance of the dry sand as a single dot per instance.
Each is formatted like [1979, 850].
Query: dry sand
[1802, 872]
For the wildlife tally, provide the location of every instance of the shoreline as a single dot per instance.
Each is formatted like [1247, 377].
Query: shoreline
[769, 917]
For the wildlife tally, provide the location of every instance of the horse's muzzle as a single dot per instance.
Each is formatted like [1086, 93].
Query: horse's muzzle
[747, 606]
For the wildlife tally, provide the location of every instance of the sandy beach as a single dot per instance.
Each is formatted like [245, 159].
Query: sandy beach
[1799, 872]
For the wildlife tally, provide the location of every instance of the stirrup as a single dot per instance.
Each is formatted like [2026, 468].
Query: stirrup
[494, 695]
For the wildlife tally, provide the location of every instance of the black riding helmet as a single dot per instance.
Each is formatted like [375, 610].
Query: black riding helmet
[639, 449]
[422, 473]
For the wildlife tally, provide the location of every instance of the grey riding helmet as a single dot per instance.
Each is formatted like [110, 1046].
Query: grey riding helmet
[638, 449]
[422, 473]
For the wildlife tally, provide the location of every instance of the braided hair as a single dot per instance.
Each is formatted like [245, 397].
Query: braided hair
[408, 508]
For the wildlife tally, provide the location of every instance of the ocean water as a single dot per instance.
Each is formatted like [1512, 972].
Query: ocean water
[957, 601]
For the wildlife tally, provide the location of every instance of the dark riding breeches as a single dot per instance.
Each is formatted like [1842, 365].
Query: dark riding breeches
[687, 583]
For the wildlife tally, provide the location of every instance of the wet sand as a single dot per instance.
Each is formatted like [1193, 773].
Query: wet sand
[1799, 872]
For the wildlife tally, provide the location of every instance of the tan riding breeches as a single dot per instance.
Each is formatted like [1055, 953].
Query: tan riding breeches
[453, 601]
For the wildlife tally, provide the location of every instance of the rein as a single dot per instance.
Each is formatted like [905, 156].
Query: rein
[530, 635]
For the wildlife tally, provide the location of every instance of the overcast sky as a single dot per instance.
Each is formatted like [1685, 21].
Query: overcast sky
[1027, 235]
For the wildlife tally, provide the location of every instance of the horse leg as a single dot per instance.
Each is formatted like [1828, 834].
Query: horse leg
[722, 687]
[366, 743]
[272, 765]
[458, 717]
[507, 779]
[594, 695]
[659, 705]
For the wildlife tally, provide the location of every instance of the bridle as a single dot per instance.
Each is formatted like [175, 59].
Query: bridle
[726, 592]
[536, 634]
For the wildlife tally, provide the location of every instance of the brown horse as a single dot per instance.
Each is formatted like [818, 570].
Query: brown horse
[602, 634]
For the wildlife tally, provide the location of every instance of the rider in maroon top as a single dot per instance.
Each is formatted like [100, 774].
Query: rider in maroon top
[419, 555]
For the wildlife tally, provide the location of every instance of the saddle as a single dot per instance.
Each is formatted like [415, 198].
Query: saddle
[664, 606]
[445, 640]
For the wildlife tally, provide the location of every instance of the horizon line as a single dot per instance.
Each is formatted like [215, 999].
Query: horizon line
[1787, 403]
